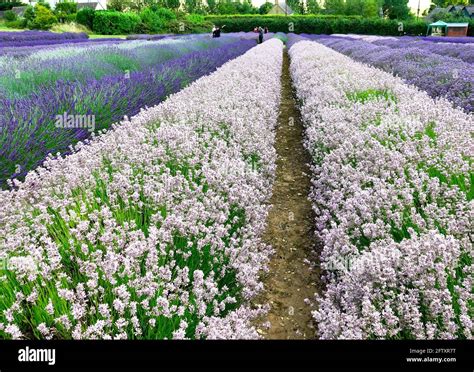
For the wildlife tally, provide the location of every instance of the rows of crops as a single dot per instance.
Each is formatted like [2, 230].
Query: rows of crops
[98, 84]
[460, 51]
[463, 51]
[393, 191]
[148, 221]
[438, 75]
[152, 230]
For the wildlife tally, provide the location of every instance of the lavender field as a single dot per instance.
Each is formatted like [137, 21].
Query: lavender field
[189, 187]
[110, 81]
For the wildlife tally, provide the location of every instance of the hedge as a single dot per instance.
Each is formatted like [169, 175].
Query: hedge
[85, 17]
[10, 15]
[319, 25]
[115, 23]
[185, 26]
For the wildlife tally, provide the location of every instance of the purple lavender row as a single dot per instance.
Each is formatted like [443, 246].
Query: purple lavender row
[12, 47]
[439, 76]
[23, 51]
[26, 36]
[443, 39]
[242, 35]
[294, 38]
[461, 51]
[148, 36]
[31, 131]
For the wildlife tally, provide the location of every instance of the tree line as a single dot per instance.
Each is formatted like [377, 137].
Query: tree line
[391, 9]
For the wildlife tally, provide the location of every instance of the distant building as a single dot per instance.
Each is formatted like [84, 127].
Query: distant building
[464, 10]
[431, 15]
[468, 11]
[441, 28]
[280, 8]
[454, 8]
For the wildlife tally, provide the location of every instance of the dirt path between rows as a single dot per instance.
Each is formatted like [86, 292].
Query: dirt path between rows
[290, 230]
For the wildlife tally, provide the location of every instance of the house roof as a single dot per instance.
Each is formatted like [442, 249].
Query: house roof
[444, 24]
[435, 11]
[91, 5]
[455, 8]
[470, 9]
[439, 23]
[458, 24]
[284, 7]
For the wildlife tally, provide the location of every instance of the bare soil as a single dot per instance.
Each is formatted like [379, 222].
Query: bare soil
[290, 230]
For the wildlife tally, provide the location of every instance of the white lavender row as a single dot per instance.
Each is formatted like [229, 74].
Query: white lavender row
[151, 230]
[393, 189]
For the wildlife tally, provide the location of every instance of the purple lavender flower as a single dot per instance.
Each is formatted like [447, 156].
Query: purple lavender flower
[439, 76]
[30, 132]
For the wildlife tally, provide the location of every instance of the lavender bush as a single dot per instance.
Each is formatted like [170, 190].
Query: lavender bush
[53, 42]
[393, 192]
[21, 51]
[29, 36]
[442, 39]
[50, 85]
[460, 51]
[148, 37]
[151, 230]
[439, 76]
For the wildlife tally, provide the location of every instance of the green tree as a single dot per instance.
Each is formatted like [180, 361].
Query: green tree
[334, 6]
[295, 5]
[43, 19]
[151, 21]
[313, 7]
[118, 5]
[364, 8]
[445, 3]
[245, 7]
[265, 7]
[190, 6]
[212, 6]
[371, 8]
[225, 7]
[396, 9]
[29, 13]
[353, 7]
[10, 16]
[173, 4]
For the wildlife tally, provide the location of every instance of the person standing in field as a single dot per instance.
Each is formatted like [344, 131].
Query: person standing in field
[216, 31]
[260, 35]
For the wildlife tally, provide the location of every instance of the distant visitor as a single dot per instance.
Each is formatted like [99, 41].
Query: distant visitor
[216, 31]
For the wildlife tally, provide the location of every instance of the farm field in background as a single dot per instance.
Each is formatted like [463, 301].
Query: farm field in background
[140, 183]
